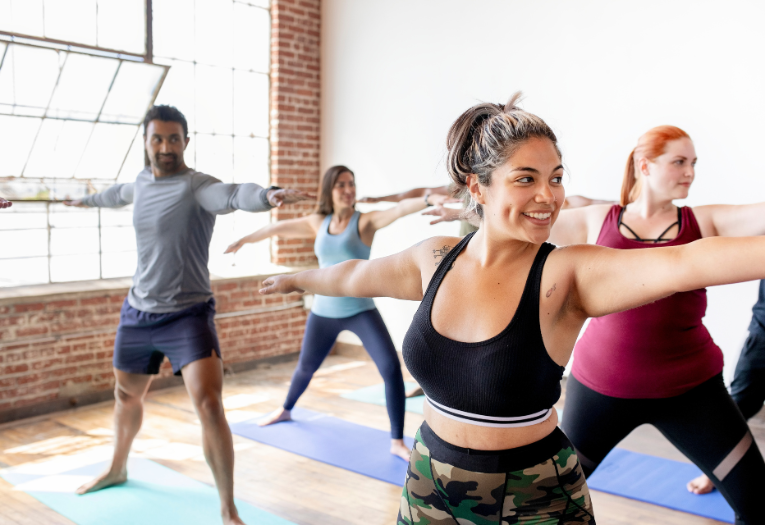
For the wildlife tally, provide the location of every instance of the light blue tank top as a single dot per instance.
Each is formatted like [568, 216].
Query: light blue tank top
[332, 249]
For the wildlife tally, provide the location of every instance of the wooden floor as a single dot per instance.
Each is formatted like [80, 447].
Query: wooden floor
[298, 489]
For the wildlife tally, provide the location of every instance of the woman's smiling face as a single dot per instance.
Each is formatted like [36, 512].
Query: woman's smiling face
[526, 192]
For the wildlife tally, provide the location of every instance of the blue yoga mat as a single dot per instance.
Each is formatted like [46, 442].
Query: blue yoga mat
[333, 441]
[375, 395]
[658, 481]
[154, 495]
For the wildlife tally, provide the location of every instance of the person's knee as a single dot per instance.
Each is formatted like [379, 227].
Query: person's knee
[210, 406]
[126, 396]
[390, 368]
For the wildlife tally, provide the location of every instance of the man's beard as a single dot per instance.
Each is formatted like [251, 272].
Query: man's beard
[163, 167]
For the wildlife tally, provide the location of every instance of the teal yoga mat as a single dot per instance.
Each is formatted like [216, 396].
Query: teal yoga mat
[154, 495]
[375, 395]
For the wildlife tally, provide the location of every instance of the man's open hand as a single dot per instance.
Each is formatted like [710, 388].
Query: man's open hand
[279, 197]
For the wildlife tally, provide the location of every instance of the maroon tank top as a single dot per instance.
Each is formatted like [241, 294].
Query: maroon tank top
[658, 350]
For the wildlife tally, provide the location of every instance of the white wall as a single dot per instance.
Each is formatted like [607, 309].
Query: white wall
[396, 73]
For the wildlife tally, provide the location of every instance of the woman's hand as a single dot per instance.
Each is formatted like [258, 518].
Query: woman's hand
[443, 214]
[279, 284]
[235, 247]
[4, 203]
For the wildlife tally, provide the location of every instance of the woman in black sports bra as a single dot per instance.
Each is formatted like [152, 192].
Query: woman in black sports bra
[500, 312]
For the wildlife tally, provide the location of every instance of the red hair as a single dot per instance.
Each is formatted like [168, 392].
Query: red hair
[652, 144]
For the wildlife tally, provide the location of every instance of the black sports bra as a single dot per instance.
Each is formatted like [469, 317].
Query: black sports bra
[506, 381]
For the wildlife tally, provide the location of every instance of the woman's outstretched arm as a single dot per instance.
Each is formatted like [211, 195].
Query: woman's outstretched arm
[302, 227]
[376, 220]
[731, 220]
[400, 276]
[608, 280]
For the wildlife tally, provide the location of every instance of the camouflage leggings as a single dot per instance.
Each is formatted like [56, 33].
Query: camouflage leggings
[549, 493]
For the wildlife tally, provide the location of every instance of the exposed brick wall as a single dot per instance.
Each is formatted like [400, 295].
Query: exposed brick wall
[295, 99]
[58, 348]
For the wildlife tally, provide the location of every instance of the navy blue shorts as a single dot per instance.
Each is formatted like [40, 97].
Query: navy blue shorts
[144, 339]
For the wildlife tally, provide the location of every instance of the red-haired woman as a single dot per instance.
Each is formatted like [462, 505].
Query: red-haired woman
[343, 233]
[657, 364]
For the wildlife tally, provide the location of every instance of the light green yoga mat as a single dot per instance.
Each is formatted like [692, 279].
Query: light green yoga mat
[154, 495]
[375, 394]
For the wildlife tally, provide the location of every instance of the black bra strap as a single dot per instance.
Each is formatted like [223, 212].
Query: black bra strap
[660, 238]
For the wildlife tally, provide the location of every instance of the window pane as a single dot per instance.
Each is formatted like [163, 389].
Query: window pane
[17, 134]
[261, 3]
[28, 76]
[105, 152]
[252, 37]
[122, 25]
[215, 156]
[119, 264]
[76, 98]
[74, 267]
[117, 217]
[250, 104]
[178, 89]
[134, 162]
[65, 217]
[18, 272]
[23, 215]
[71, 20]
[214, 41]
[131, 93]
[173, 29]
[22, 16]
[26, 243]
[70, 241]
[214, 100]
[58, 148]
[117, 239]
[251, 160]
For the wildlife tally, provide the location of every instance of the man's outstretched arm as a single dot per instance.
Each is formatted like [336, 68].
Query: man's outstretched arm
[114, 197]
[219, 198]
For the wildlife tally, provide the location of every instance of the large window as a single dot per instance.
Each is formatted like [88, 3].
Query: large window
[71, 104]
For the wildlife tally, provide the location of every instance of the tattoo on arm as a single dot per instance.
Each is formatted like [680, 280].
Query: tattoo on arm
[551, 290]
[440, 253]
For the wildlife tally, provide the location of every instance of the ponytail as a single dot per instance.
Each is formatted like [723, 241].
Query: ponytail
[630, 186]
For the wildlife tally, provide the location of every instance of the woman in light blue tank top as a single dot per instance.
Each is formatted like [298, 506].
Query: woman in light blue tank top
[342, 233]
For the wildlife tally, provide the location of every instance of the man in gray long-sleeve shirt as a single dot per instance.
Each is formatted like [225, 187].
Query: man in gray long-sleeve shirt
[170, 308]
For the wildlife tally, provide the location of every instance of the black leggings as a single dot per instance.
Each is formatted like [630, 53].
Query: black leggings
[704, 424]
[320, 335]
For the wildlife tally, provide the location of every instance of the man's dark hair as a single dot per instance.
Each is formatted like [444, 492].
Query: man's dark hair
[166, 114]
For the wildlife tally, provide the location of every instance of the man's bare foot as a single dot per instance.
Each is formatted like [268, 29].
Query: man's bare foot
[414, 392]
[229, 519]
[701, 485]
[277, 416]
[397, 448]
[107, 479]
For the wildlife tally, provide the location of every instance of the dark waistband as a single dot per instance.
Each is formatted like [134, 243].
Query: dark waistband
[494, 461]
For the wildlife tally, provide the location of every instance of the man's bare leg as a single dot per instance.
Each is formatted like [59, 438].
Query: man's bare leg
[204, 382]
[128, 415]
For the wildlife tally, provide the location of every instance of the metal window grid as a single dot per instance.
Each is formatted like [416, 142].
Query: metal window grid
[122, 56]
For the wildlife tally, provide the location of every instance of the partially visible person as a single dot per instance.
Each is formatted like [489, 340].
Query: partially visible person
[342, 233]
[658, 364]
[500, 313]
[170, 309]
[5, 204]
